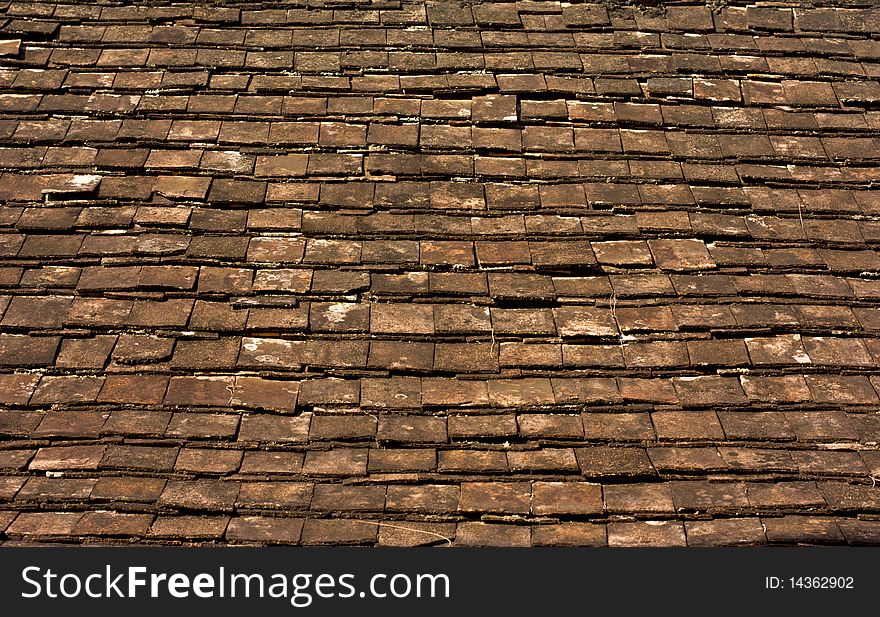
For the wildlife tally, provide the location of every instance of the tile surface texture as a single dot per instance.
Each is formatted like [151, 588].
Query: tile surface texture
[403, 273]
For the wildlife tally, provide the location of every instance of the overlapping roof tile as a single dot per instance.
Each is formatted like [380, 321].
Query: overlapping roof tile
[404, 272]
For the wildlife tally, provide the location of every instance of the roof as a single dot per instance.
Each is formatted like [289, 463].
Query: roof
[401, 273]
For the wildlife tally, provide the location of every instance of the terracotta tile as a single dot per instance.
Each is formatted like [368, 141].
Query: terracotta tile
[339, 531]
[428, 498]
[495, 534]
[475, 304]
[497, 497]
[725, 532]
[646, 533]
[802, 530]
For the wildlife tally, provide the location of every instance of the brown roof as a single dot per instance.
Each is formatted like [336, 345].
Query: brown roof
[400, 272]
